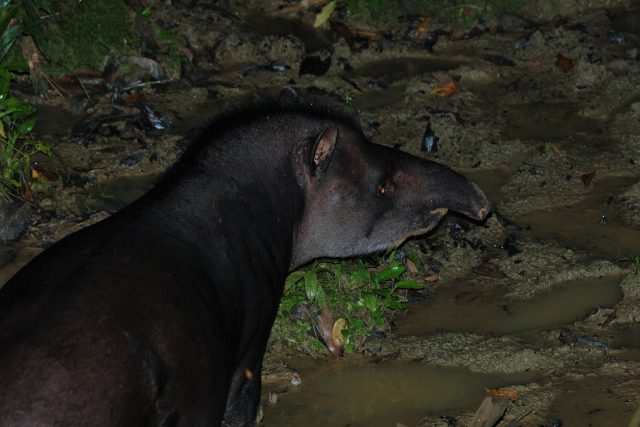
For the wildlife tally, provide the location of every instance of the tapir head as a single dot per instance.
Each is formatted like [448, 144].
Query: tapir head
[362, 197]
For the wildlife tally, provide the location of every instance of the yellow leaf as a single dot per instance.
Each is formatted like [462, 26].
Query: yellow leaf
[325, 13]
[338, 339]
[2, 134]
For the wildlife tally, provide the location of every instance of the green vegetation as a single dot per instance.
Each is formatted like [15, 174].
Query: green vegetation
[365, 295]
[16, 144]
[81, 34]
[16, 122]
[16, 18]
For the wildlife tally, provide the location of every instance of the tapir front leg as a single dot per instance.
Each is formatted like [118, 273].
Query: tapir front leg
[244, 396]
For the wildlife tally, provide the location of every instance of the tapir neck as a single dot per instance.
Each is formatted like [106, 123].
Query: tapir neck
[239, 208]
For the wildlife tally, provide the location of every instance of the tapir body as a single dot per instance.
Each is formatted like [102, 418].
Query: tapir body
[160, 314]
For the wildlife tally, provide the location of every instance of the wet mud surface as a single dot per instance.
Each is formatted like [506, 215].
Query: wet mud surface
[542, 300]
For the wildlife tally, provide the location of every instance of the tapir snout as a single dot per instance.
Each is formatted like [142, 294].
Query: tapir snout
[452, 191]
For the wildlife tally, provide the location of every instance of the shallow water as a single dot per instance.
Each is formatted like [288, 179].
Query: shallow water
[548, 122]
[594, 224]
[359, 393]
[402, 68]
[462, 307]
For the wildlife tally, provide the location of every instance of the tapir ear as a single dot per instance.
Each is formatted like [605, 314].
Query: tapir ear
[323, 149]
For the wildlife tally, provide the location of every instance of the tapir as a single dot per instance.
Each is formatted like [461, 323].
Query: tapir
[159, 315]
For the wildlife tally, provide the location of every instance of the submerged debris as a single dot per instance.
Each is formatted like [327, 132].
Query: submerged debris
[563, 63]
[152, 120]
[572, 339]
[500, 60]
[621, 38]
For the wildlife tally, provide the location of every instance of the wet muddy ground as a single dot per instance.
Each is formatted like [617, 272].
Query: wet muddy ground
[541, 302]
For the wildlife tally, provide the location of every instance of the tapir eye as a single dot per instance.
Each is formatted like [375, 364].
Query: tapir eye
[382, 188]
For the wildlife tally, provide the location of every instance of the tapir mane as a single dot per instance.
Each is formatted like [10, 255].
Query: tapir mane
[259, 110]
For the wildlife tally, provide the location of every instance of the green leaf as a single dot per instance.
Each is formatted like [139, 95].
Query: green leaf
[416, 259]
[26, 127]
[7, 39]
[313, 289]
[370, 301]
[293, 279]
[408, 284]
[325, 13]
[394, 270]
[44, 148]
[358, 279]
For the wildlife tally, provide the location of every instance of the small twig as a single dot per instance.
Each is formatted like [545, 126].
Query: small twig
[52, 84]
[82, 86]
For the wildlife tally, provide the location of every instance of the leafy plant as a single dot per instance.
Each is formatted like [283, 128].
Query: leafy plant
[365, 295]
[16, 144]
[17, 17]
[81, 34]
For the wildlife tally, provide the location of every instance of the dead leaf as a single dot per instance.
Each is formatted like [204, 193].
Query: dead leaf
[504, 392]
[28, 194]
[563, 63]
[432, 279]
[423, 28]
[587, 178]
[338, 339]
[411, 266]
[38, 171]
[364, 33]
[446, 89]
[134, 98]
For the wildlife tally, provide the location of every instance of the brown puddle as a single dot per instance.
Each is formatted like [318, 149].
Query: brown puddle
[465, 308]
[548, 122]
[595, 401]
[402, 68]
[593, 224]
[354, 392]
[370, 101]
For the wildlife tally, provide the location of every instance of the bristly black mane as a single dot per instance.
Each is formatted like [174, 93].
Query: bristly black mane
[243, 115]
[250, 113]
